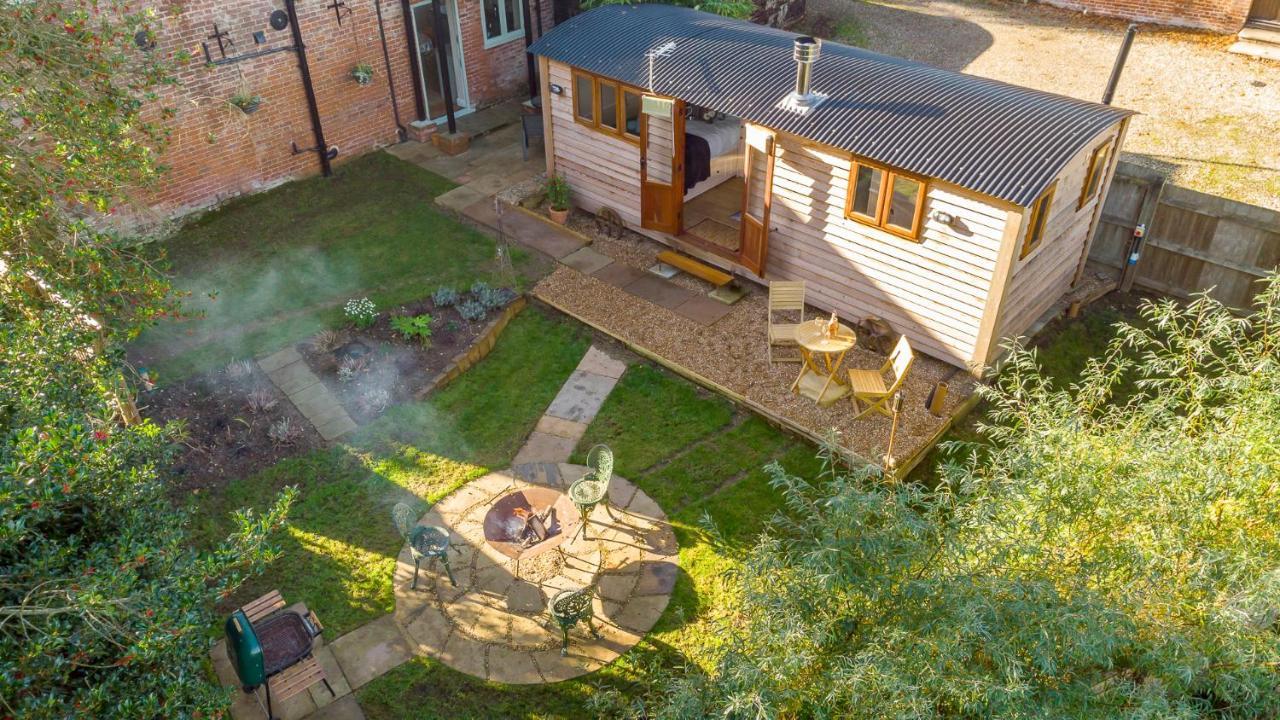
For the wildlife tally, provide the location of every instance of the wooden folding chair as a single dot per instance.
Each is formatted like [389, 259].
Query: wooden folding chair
[869, 386]
[785, 296]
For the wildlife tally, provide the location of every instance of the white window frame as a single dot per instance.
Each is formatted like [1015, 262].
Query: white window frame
[507, 36]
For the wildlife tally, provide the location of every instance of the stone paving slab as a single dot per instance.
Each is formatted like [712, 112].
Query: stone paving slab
[460, 197]
[586, 260]
[337, 680]
[601, 363]
[344, 708]
[703, 309]
[545, 447]
[277, 360]
[337, 427]
[293, 378]
[581, 397]
[371, 650]
[663, 293]
[538, 234]
[560, 427]
[482, 213]
[618, 274]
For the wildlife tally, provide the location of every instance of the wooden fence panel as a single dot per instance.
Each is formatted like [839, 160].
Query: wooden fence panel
[1194, 242]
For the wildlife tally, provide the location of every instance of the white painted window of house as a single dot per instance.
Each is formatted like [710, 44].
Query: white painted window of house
[503, 21]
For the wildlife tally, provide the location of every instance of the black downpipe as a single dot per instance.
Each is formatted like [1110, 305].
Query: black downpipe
[391, 84]
[528, 56]
[537, 8]
[322, 148]
[442, 57]
[415, 63]
[1118, 68]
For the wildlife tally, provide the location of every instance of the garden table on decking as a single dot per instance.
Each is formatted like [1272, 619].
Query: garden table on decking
[822, 384]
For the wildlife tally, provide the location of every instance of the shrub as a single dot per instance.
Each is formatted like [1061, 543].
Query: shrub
[284, 432]
[239, 369]
[493, 298]
[326, 340]
[472, 310]
[558, 195]
[375, 400]
[444, 297]
[361, 312]
[416, 327]
[261, 400]
[349, 368]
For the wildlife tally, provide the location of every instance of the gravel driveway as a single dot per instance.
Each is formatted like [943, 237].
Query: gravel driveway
[1210, 117]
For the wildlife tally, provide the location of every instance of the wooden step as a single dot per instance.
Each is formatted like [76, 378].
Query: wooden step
[695, 268]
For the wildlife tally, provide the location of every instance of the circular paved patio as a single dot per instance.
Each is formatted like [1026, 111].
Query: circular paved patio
[494, 625]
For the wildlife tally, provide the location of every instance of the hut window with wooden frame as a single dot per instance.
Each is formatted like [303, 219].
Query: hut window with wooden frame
[1039, 218]
[608, 106]
[1097, 170]
[886, 199]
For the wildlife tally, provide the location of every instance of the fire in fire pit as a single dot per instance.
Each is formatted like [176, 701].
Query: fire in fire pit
[527, 522]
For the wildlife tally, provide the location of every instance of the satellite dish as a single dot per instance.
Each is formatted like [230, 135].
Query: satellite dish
[279, 19]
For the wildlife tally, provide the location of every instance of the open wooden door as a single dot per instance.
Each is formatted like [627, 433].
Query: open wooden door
[757, 197]
[662, 164]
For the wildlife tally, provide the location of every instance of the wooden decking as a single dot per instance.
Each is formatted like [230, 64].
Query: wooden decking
[728, 355]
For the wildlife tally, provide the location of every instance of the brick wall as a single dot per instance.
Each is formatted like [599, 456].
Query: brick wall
[216, 151]
[1226, 16]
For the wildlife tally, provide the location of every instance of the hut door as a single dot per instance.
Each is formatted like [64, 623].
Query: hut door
[661, 164]
[757, 197]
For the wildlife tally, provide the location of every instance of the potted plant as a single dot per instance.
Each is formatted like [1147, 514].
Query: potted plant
[558, 198]
[363, 73]
[246, 101]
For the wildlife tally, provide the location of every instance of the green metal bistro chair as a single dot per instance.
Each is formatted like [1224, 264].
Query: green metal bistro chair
[570, 607]
[593, 488]
[430, 542]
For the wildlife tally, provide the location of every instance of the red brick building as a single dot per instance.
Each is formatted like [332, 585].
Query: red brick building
[246, 48]
[1226, 16]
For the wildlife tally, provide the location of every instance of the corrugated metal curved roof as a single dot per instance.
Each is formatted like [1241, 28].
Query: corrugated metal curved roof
[1002, 140]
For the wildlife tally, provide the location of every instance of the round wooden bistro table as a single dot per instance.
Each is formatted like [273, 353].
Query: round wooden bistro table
[822, 382]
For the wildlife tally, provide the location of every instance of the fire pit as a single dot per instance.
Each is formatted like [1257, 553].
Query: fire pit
[526, 523]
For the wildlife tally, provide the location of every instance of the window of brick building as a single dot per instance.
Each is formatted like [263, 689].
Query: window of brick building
[503, 21]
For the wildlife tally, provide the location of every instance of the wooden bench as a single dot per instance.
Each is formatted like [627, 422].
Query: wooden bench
[695, 267]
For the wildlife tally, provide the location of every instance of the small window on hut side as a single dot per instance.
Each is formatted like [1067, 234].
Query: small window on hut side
[886, 199]
[608, 94]
[584, 99]
[1039, 218]
[1097, 170]
[631, 113]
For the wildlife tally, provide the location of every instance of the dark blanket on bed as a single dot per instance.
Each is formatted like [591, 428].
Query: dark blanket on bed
[697, 160]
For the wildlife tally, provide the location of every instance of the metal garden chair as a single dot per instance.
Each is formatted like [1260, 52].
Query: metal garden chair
[593, 488]
[430, 542]
[570, 607]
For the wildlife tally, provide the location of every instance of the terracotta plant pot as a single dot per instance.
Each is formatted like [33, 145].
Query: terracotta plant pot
[559, 216]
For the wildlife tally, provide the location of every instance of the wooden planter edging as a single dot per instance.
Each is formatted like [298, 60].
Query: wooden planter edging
[961, 412]
[769, 416]
[477, 351]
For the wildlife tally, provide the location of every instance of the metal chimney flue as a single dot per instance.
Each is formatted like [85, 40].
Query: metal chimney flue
[806, 52]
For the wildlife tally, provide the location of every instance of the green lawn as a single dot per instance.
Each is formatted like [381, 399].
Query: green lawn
[277, 266]
[698, 457]
[339, 550]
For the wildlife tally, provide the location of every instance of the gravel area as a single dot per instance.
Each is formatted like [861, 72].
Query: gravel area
[1209, 117]
[732, 353]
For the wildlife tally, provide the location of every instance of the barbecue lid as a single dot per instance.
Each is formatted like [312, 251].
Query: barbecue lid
[244, 650]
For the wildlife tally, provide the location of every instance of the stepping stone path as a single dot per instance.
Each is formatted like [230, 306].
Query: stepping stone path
[572, 410]
[494, 624]
[289, 372]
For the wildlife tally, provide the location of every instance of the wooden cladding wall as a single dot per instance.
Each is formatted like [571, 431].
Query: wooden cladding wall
[934, 291]
[1194, 242]
[603, 170]
[1043, 277]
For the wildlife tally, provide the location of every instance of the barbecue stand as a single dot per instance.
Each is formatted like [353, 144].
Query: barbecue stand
[266, 649]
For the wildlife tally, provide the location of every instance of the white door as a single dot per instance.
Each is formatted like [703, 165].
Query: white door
[430, 71]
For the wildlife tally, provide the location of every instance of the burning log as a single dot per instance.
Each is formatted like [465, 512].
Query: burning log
[533, 526]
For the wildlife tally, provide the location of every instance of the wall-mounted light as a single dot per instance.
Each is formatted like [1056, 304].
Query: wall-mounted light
[556, 89]
[945, 218]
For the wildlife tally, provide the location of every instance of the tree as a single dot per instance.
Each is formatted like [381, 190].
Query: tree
[105, 609]
[1109, 557]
